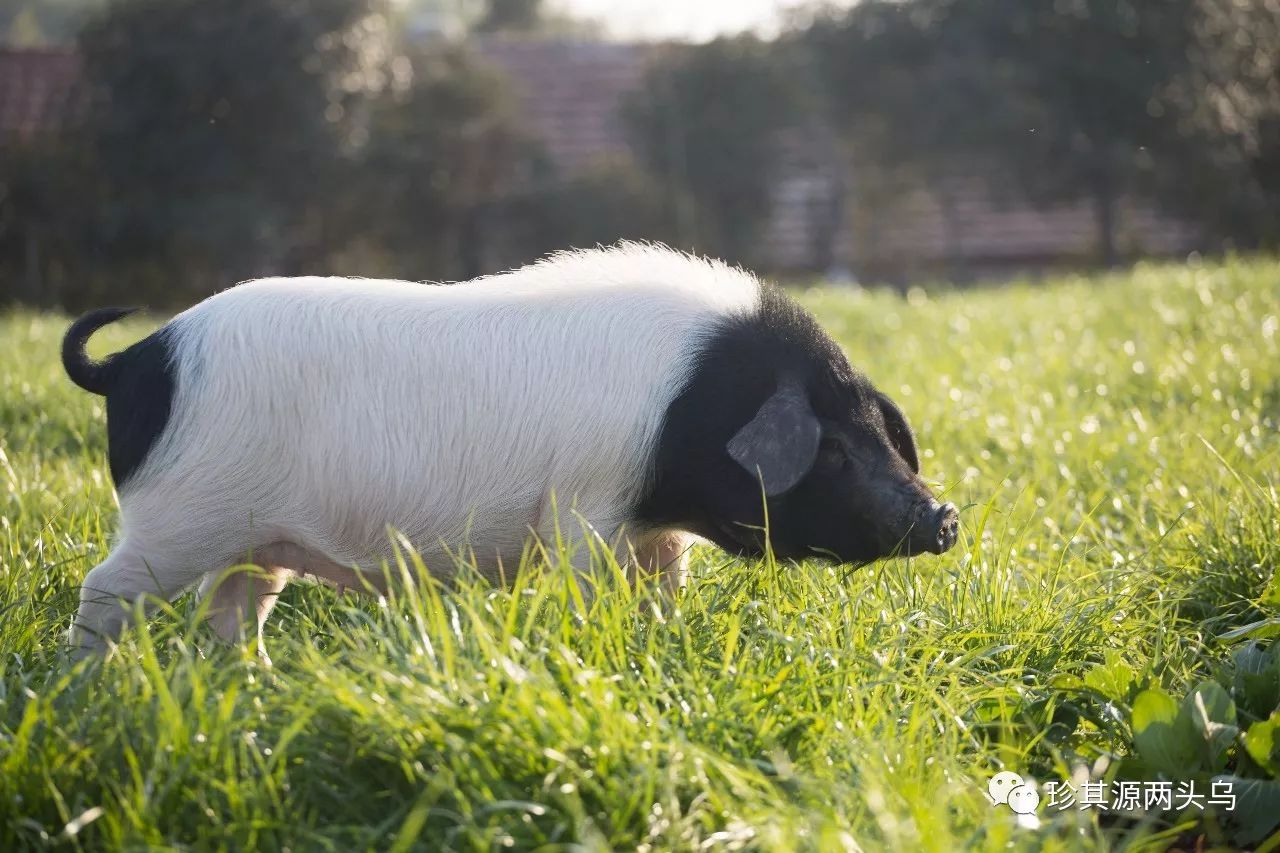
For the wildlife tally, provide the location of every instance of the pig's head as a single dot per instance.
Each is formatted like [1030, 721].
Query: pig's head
[841, 480]
[775, 418]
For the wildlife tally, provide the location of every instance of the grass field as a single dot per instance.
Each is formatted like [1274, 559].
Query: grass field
[1112, 443]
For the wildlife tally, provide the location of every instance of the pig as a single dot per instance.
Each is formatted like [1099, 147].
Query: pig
[631, 397]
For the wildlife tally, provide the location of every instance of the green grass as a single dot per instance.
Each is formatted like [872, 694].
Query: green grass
[1113, 443]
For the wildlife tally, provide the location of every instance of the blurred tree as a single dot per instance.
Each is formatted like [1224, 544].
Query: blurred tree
[532, 18]
[1058, 96]
[25, 30]
[1227, 105]
[47, 187]
[907, 99]
[424, 20]
[510, 16]
[221, 126]
[1091, 72]
[610, 201]
[440, 155]
[29, 23]
[706, 123]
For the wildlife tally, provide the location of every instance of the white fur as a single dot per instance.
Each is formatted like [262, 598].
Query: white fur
[313, 414]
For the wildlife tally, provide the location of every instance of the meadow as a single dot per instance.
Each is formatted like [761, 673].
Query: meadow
[1114, 443]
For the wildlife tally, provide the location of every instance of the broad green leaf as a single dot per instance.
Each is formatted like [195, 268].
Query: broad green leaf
[1212, 702]
[1114, 678]
[1257, 808]
[1256, 682]
[1262, 741]
[1251, 657]
[1259, 694]
[1213, 715]
[1165, 738]
[1066, 681]
[1273, 656]
[1271, 596]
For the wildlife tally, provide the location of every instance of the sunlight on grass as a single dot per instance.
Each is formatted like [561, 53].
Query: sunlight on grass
[1112, 442]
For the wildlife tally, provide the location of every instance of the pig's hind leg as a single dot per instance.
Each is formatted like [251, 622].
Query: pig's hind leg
[241, 599]
[666, 554]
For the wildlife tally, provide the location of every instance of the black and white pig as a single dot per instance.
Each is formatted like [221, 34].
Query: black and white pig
[650, 396]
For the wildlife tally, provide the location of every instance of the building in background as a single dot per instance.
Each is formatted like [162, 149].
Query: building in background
[965, 230]
[572, 92]
[822, 220]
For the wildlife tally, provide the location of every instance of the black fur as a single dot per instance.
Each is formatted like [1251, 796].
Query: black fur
[899, 430]
[855, 502]
[138, 383]
[93, 376]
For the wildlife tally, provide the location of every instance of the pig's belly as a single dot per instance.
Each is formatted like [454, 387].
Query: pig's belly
[368, 529]
[316, 562]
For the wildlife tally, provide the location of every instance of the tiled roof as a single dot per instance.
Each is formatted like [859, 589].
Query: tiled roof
[36, 86]
[571, 92]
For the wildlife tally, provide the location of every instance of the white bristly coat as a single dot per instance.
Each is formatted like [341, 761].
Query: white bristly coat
[313, 415]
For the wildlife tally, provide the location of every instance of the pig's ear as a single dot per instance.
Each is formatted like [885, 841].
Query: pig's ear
[899, 432]
[781, 441]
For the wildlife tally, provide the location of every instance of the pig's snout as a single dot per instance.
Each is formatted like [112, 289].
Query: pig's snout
[947, 525]
[936, 529]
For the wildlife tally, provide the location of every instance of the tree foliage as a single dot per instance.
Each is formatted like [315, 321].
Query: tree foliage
[1058, 97]
[226, 139]
[1067, 100]
[1227, 104]
[223, 139]
[27, 23]
[440, 156]
[510, 16]
[218, 125]
[609, 201]
[706, 121]
[47, 218]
